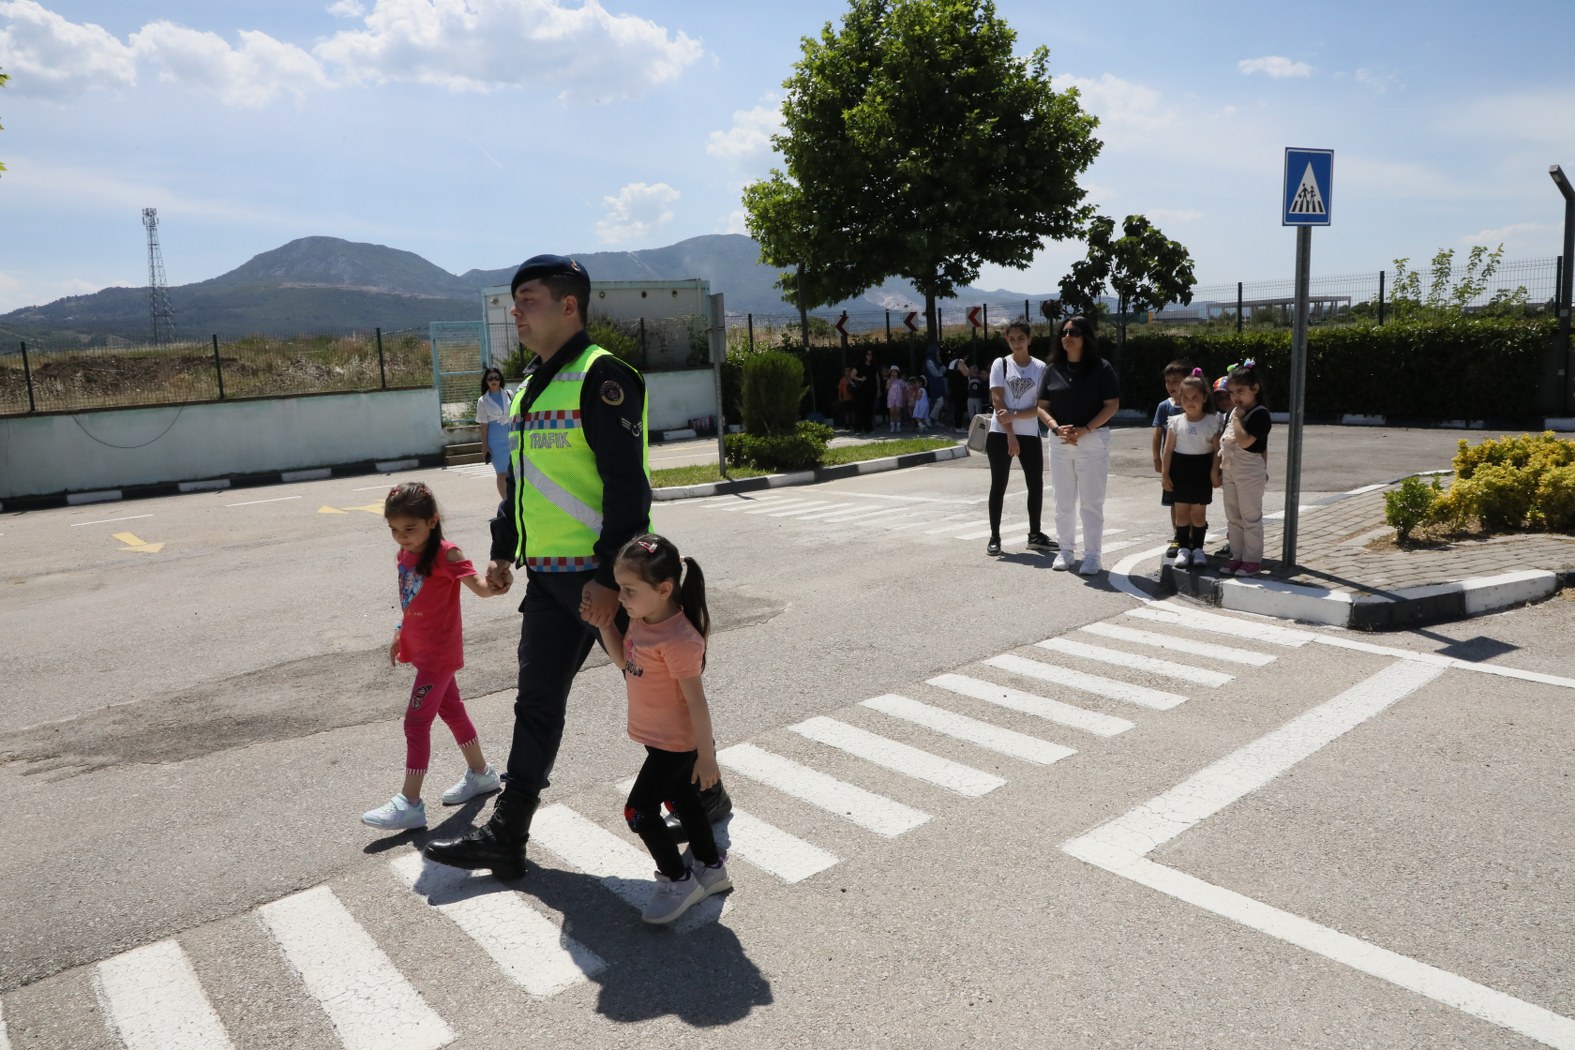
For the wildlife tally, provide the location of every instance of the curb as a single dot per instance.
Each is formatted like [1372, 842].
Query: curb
[234, 481]
[1378, 611]
[809, 477]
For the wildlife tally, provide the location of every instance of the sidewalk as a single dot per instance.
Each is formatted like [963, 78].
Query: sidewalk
[1344, 578]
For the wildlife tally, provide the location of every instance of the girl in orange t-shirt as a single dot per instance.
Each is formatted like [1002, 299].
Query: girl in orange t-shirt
[662, 657]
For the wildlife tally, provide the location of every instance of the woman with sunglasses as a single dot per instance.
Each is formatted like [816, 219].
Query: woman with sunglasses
[1077, 397]
[492, 412]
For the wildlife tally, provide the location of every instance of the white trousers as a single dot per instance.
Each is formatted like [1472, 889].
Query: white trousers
[1078, 475]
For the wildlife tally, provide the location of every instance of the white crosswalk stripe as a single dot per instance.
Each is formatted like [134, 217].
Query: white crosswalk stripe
[865, 808]
[1143, 696]
[370, 1003]
[786, 856]
[1136, 662]
[1227, 625]
[5, 1041]
[898, 757]
[1229, 654]
[781, 504]
[152, 1000]
[1032, 704]
[529, 948]
[961, 727]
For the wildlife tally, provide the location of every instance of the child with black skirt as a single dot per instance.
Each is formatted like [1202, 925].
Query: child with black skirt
[1192, 466]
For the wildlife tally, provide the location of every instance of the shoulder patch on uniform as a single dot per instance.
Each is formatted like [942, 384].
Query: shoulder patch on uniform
[612, 393]
[633, 428]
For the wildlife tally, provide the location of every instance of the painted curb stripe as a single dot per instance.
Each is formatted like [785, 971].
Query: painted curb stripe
[961, 727]
[898, 757]
[865, 808]
[153, 1001]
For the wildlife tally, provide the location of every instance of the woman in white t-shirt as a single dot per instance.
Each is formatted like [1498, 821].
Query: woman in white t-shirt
[1014, 432]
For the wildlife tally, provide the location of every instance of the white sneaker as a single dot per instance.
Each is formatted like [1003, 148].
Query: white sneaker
[1183, 558]
[1063, 561]
[471, 785]
[397, 814]
[671, 899]
[715, 879]
[1200, 559]
[1090, 566]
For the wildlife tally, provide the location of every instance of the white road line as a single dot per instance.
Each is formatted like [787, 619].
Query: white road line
[1143, 696]
[899, 757]
[5, 1042]
[961, 727]
[1137, 662]
[254, 502]
[786, 856]
[972, 522]
[1032, 704]
[625, 869]
[865, 808]
[1446, 661]
[105, 521]
[1119, 545]
[1121, 845]
[153, 1001]
[370, 1003]
[1016, 526]
[532, 950]
[776, 505]
[810, 508]
[867, 515]
[1249, 630]
[1229, 654]
[911, 499]
[816, 513]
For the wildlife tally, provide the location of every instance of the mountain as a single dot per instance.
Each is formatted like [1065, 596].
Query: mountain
[325, 284]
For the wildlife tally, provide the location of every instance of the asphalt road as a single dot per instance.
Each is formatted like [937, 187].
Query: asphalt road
[1317, 839]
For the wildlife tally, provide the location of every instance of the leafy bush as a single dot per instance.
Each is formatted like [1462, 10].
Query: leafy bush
[803, 449]
[773, 390]
[1525, 482]
[1410, 505]
[1556, 498]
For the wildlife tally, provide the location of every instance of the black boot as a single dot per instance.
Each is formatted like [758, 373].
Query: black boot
[499, 844]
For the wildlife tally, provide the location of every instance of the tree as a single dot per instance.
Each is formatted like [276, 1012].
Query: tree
[918, 145]
[1445, 294]
[1146, 270]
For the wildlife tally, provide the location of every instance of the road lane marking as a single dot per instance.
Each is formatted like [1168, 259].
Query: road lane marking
[1121, 846]
[1032, 704]
[961, 727]
[1249, 630]
[1136, 662]
[1227, 653]
[533, 951]
[153, 1001]
[811, 507]
[254, 502]
[899, 757]
[775, 505]
[106, 521]
[980, 534]
[1439, 660]
[5, 1042]
[1157, 699]
[766, 846]
[370, 1003]
[868, 810]
[132, 543]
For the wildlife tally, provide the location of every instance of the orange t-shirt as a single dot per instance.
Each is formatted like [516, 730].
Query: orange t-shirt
[657, 656]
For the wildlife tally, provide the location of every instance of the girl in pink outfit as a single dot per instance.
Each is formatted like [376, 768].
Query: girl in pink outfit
[662, 655]
[429, 635]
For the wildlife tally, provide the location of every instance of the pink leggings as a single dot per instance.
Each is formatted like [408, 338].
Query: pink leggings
[434, 694]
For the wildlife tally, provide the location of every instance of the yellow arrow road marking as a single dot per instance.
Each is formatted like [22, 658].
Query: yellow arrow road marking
[134, 544]
[370, 508]
[331, 510]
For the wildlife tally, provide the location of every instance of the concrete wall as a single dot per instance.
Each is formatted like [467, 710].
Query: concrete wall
[42, 455]
[678, 397]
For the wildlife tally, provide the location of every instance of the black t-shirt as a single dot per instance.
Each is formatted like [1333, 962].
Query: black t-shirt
[1258, 423]
[1076, 392]
[979, 385]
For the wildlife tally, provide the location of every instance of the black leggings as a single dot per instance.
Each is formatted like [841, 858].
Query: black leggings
[1031, 453]
[665, 778]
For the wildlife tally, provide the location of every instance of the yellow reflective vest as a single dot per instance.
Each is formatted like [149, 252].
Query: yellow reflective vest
[558, 492]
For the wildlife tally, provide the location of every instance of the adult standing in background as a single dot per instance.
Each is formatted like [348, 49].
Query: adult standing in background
[866, 388]
[1014, 434]
[935, 383]
[492, 412]
[1077, 397]
[957, 392]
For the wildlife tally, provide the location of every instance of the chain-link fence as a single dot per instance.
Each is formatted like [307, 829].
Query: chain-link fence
[51, 377]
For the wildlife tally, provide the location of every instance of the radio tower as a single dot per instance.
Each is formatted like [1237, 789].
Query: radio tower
[160, 315]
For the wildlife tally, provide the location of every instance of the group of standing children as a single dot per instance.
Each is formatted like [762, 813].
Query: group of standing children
[661, 654]
[1210, 437]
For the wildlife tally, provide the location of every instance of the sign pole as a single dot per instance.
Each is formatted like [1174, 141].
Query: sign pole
[1293, 442]
[718, 355]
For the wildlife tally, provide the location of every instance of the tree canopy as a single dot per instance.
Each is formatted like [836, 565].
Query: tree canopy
[917, 144]
[1145, 269]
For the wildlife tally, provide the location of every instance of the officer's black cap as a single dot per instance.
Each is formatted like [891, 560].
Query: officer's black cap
[538, 267]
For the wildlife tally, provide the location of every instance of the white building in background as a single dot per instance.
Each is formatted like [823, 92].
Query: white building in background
[668, 317]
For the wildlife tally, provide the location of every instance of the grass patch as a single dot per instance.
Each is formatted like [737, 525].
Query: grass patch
[701, 474]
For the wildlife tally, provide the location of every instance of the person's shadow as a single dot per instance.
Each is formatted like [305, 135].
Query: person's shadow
[695, 970]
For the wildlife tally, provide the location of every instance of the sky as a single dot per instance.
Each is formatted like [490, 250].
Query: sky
[478, 132]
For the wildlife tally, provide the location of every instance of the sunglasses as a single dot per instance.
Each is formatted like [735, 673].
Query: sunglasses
[1071, 333]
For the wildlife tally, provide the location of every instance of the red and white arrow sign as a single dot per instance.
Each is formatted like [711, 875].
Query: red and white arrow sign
[842, 324]
[912, 314]
[973, 317]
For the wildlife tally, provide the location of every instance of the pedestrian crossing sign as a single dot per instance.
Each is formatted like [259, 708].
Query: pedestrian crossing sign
[1309, 179]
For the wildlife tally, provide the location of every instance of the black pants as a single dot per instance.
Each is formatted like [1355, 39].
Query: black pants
[864, 410]
[1031, 453]
[665, 778]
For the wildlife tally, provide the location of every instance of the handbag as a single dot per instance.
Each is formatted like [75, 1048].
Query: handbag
[978, 431]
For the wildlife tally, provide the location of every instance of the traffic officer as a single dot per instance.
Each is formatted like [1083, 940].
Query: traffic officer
[578, 489]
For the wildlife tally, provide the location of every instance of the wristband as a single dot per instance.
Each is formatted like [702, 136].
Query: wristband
[399, 627]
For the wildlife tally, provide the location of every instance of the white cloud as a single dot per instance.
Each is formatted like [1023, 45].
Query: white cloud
[1520, 239]
[736, 222]
[638, 210]
[251, 76]
[1379, 82]
[23, 290]
[1527, 118]
[51, 57]
[347, 8]
[1277, 66]
[1124, 108]
[478, 45]
[749, 139]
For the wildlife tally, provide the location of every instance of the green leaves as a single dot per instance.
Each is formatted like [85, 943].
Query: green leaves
[1145, 269]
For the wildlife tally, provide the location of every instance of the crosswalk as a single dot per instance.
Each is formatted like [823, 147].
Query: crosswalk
[1140, 663]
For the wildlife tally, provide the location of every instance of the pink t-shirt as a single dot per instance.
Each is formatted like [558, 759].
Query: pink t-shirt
[432, 637]
[658, 656]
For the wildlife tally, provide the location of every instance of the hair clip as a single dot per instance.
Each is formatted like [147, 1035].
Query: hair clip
[1249, 363]
[393, 492]
[646, 545]
[1198, 372]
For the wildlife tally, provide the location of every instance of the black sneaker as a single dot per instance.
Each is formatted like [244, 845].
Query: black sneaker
[993, 547]
[1040, 542]
[1170, 551]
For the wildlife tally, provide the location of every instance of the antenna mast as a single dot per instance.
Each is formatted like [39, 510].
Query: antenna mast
[161, 317]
